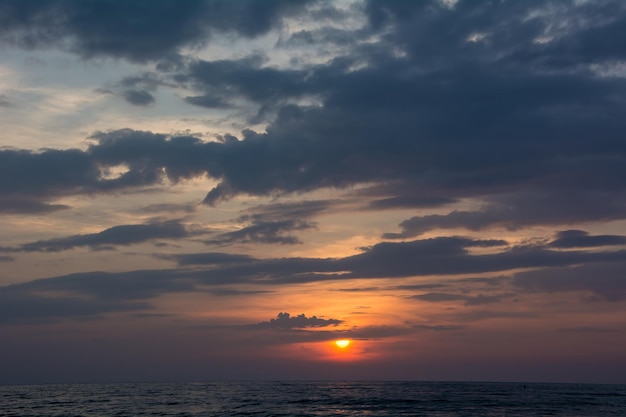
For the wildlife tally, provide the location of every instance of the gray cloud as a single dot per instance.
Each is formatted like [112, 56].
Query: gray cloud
[536, 103]
[138, 97]
[297, 210]
[26, 177]
[116, 235]
[505, 108]
[209, 101]
[520, 210]
[479, 315]
[440, 327]
[436, 256]
[167, 207]
[219, 81]
[582, 239]
[28, 206]
[209, 258]
[139, 31]
[606, 280]
[523, 111]
[601, 272]
[271, 223]
[436, 297]
[263, 232]
[286, 321]
[362, 289]
[231, 292]
[408, 201]
[5, 101]
[273, 165]
[477, 116]
[490, 281]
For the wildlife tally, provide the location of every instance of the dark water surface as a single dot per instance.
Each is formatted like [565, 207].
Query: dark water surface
[313, 399]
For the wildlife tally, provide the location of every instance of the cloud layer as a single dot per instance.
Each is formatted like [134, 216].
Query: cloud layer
[420, 175]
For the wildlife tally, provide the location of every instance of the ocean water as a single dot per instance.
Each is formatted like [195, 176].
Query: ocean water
[304, 399]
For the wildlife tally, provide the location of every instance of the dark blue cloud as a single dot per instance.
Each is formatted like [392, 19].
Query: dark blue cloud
[113, 236]
[549, 270]
[138, 30]
[138, 97]
[582, 239]
[428, 116]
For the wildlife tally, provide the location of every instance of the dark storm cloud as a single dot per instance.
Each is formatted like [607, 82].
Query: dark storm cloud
[589, 32]
[286, 321]
[116, 235]
[598, 38]
[137, 30]
[582, 239]
[26, 176]
[219, 82]
[505, 118]
[151, 158]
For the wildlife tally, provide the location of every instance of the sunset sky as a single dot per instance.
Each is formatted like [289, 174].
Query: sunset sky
[216, 189]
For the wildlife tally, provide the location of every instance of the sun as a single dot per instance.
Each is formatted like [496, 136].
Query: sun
[342, 343]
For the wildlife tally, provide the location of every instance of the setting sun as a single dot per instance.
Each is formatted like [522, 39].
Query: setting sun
[343, 343]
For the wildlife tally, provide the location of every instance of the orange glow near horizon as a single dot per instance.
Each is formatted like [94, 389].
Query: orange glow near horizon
[326, 351]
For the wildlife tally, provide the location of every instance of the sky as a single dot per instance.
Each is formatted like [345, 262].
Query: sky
[220, 190]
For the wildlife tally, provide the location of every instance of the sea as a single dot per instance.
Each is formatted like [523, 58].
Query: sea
[307, 399]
